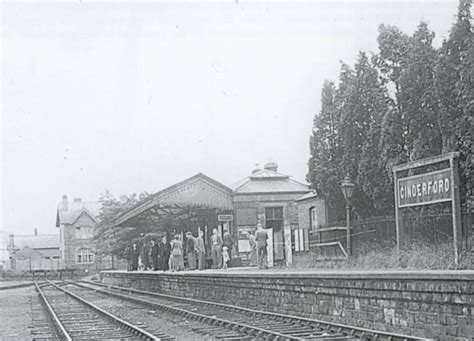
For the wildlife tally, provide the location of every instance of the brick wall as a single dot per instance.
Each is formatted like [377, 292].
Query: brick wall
[73, 244]
[432, 304]
[304, 212]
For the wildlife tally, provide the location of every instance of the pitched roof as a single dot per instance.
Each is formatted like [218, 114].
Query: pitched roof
[198, 190]
[27, 253]
[76, 209]
[269, 181]
[311, 195]
[46, 241]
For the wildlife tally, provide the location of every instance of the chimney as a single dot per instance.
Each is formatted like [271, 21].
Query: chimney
[11, 243]
[257, 169]
[77, 200]
[64, 204]
[36, 231]
[271, 166]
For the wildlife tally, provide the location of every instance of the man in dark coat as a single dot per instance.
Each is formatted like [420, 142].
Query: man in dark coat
[190, 251]
[155, 253]
[145, 255]
[228, 242]
[134, 254]
[164, 252]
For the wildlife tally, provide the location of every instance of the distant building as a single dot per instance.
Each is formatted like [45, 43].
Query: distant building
[76, 221]
[34, 252]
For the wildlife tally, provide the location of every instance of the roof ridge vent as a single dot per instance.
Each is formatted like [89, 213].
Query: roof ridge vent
[271, 166]
[256, 169]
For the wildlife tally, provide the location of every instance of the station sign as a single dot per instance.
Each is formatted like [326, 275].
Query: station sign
[429, 188]
[424, 189]
[225, 217]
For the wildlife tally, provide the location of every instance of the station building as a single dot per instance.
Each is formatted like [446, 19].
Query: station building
[288, 209]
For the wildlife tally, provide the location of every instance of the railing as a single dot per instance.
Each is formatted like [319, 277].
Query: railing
[380, 231]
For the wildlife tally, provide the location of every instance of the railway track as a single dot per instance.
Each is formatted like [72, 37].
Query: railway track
[77, 319]
[236, 323]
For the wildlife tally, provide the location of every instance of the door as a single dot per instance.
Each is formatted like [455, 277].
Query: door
[274, 221]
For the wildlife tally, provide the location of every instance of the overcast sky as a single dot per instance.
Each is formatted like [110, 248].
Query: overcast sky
[135, 97]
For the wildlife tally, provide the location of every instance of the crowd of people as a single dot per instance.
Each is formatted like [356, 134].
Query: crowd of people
[171, 255]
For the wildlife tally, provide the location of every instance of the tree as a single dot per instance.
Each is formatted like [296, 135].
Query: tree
[324, 175]
[417, 97]
[360, 128]
[392, 59]
[454, 89]
[110, 239]
[410, 101]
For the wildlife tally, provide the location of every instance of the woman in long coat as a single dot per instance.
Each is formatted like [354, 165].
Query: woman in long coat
[177, 260]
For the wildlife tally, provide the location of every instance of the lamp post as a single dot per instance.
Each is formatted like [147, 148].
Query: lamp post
[347, 188]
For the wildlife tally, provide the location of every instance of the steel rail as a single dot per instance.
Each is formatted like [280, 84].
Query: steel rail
[135, 329]
[332, 326]
[246, 328]
[57, 323]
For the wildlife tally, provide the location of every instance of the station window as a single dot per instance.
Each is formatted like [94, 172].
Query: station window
[84, 232]
[274, 217]
[85, 256]
[313, 218]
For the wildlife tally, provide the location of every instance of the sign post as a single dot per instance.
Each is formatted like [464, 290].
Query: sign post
[429, 188]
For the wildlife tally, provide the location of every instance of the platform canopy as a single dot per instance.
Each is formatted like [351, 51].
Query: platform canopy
[179, 201]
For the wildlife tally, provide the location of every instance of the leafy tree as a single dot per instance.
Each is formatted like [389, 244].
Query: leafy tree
[412, 101]
[417, 97]
[454, 89]
[360, 127]
[108, 238]
[324, 175]
[392, 59]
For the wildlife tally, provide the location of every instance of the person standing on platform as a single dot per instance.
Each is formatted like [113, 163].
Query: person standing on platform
[165, 251]
[228, 242]
[225, 257]
[253, 248]
[216, 245]
[177, 260]
[134, 255]
[262, 238]
[190, 250]
[145, 255]
[155, 251]
[200, 250]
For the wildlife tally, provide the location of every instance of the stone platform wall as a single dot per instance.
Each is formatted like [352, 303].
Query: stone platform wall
[431, 304]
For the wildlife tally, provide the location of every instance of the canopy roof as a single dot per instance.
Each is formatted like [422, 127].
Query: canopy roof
[178, 200]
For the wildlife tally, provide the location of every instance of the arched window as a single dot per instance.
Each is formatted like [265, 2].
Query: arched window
[313, 219]
[85, 256]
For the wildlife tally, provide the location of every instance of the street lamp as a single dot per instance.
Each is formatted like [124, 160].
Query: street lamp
[347, 188]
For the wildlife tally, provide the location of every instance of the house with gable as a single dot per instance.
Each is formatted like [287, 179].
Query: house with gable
[76, 221]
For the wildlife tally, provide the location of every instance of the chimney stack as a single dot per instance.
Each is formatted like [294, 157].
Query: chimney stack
[257, 169]
[76, 200]
[11, 243]
[36, 231]
[64, 204]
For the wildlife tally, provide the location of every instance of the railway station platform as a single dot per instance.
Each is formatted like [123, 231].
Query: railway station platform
[420, 303]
